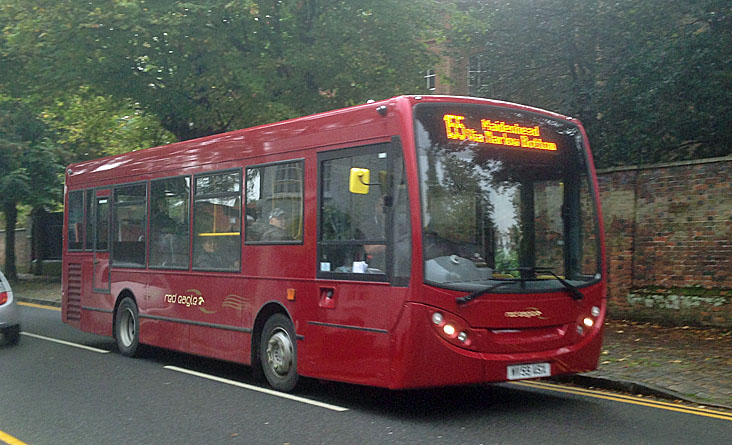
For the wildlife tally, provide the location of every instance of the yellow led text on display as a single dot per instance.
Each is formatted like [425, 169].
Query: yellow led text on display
[497, 133]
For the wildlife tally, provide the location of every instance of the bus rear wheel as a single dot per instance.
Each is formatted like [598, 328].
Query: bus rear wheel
[278, 353]
[127, 327]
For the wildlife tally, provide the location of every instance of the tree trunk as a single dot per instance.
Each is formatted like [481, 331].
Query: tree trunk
[11, 218]
[38, 218]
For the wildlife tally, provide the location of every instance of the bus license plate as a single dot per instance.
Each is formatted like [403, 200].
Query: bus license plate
[529, 371]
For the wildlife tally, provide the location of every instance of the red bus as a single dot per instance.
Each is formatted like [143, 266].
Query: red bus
[414, 242]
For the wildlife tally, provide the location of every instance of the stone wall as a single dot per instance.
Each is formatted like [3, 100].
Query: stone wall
[668, 230]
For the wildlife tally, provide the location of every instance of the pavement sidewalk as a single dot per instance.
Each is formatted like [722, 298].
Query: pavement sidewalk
[680, 363]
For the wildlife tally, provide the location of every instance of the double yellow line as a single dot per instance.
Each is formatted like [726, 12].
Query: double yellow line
[627, 399]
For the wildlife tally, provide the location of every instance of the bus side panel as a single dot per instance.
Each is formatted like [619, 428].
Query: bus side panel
[97, 322]
[218, 313]
[164, 334]
[161, 322]
[345, 355]
[348, 336]
[76, 286]
[97, 308]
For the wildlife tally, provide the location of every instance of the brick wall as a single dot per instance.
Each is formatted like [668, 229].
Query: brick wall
[668, 231]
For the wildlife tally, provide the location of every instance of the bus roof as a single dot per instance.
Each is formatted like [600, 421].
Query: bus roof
[322, 129]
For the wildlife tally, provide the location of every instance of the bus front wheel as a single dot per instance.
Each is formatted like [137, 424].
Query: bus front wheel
[278, 353]
[127, 327]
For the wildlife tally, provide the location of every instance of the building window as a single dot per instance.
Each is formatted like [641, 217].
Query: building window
[477, 74]
[217, 222]
[169, 222]
[128, 233]
[430, 78]
[275, 203]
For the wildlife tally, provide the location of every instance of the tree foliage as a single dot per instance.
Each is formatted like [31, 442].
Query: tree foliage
[651, 80]
[204, 67]
[108, 76]
[29, 171]
[87, 126]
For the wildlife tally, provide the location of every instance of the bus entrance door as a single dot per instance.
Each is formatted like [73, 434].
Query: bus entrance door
[101, 228]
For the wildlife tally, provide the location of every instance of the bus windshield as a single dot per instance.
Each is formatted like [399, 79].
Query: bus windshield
[506, 195]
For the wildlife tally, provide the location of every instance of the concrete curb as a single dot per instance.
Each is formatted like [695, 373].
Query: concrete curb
[38, 301]
[631, 387]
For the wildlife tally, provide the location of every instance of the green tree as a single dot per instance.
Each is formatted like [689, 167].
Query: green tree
[28, 169]
[650, 79]
[203, 67]
[87, 126]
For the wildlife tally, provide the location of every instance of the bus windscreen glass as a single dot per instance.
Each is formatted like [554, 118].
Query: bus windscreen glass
[506, 196]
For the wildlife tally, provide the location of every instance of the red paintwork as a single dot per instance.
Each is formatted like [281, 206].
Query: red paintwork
[401, 348]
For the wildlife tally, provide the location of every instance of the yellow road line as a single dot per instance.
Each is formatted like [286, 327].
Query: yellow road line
[623, 396]
[40, 306]
[10, 440]
[627, 399]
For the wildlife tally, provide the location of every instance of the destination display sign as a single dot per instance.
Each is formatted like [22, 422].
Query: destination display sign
[497, 132]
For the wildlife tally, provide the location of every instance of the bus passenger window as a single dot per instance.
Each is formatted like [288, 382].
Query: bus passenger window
[274, 205]
[129, 218]
[75, 211]
[217, 222]
[89, 223]
[169, 225]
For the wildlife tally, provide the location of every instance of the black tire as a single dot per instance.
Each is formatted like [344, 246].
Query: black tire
[11, 336]
[127, 327]
[278, 353]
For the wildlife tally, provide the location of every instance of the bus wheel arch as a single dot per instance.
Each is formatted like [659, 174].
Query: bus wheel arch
[126, 323]
[274, 347]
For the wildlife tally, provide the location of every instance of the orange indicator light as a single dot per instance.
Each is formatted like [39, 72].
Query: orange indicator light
[291, 294]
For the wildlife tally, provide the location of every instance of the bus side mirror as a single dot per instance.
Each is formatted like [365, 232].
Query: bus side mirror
[359, 181]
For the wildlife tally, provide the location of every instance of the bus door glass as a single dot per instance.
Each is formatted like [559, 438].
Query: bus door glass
[100, 232]
[364, 258]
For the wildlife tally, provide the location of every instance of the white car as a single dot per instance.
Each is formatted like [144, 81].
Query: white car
[9, 315]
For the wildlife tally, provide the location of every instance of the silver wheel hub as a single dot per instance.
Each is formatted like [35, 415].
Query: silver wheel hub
[279, 352]
[127, 327]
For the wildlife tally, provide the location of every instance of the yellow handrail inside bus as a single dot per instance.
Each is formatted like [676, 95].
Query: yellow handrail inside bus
[220, 234]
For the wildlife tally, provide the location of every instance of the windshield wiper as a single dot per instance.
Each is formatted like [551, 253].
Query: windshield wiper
[573, 291]
[470, 297]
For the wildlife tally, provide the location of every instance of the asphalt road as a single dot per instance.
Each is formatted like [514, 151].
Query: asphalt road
[58, 393]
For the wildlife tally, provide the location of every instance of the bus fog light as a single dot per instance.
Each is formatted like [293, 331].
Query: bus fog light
[580, 329]
[588, 322]
[437, 318]
[462, 336]
[449, 330]
[595, 311]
